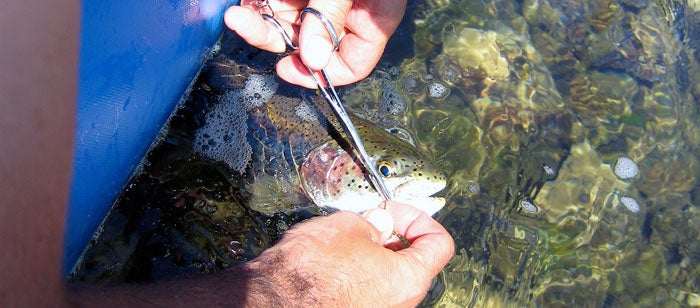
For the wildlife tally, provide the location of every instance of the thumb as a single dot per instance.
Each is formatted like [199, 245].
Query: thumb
[315, 43]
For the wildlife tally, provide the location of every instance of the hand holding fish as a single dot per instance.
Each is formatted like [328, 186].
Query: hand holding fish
[339, 260]
[363, 26]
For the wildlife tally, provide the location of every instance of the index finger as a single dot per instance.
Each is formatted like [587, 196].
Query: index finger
[250, 25]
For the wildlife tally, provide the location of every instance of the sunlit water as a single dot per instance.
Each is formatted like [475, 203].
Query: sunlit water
[539, 112]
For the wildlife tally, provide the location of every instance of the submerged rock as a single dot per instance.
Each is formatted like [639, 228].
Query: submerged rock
[626, 168]
[476, 49]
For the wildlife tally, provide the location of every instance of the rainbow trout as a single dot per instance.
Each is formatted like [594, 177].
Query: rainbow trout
[296, 153]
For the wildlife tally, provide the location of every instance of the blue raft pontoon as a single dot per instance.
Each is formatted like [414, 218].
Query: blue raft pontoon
[137, 59]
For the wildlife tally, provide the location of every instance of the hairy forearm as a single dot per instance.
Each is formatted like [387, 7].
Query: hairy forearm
[239, 286]
[267, 281]
[328, 261]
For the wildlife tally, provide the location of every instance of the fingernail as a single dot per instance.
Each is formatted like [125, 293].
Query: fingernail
[382, 220]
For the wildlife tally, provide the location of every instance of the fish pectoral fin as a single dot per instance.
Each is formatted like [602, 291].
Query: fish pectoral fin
[270, 195]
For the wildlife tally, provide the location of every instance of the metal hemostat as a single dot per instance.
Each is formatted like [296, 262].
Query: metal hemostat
[329, 93]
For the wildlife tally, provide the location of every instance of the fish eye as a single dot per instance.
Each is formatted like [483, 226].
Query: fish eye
[385, 169]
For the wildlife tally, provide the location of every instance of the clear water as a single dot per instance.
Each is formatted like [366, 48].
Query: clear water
[527, 106]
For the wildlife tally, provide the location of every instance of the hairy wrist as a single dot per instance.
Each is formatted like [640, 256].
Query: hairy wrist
[284, 278]
[266, 281]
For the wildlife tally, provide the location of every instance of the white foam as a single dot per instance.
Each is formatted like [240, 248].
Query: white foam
[223, 135]
[305, 112]
[258, 90]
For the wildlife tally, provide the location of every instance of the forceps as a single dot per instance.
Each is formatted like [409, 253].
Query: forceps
[333, 99]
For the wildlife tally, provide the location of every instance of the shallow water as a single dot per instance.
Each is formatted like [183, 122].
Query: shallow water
[527, 106]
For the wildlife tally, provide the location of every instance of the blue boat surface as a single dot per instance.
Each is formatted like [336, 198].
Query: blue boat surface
[137, 60]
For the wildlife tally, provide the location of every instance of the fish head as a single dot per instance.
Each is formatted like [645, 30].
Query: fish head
[412, 180]
[333, 178]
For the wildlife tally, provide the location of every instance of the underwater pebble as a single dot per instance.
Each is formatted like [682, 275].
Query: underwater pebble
[236, 249]
[548, 170]
[639, 4]
[449, 74]
[438, 90]
[409, 83]
[528, 206]
[475, 49]
[282, 226]
[474, 188]
[625, 168]
[630, 204]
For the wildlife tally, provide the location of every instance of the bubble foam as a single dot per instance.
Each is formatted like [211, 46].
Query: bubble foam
[305, 112]
[223, 137]
[258, 90]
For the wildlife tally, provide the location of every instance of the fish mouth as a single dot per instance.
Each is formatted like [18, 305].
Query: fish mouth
[420, 189]
[429, 205]
[424, 196]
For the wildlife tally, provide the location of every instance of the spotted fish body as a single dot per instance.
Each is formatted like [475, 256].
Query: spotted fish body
[298, 143]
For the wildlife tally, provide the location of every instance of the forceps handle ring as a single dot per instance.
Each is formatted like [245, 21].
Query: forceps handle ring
[331, 95]
[326, 23]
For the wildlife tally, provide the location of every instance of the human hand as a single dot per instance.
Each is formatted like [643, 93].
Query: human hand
[340, 260]
[363, 27]
[337, 260]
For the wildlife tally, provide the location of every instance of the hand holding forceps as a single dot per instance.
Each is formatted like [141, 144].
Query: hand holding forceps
[331, 96]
